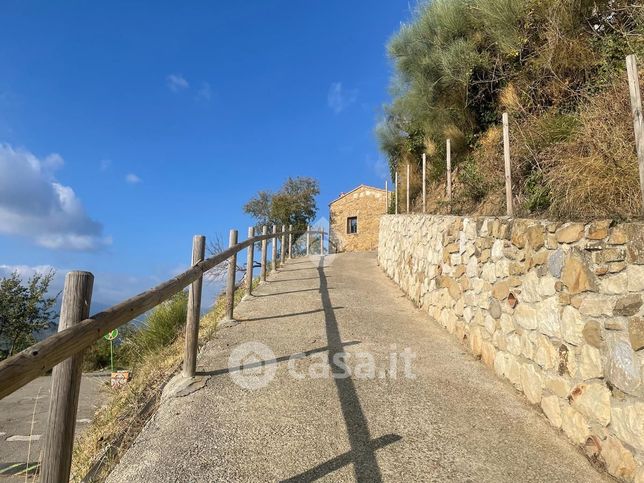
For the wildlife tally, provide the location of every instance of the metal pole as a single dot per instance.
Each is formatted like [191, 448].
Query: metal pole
[386, 197]
[449, 175]
[508, 170]
[424, 188]
[396, 192]
[636, 111]
[407, 187]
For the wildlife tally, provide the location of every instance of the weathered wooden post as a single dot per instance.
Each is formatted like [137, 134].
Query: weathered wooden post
[407, 188]
[262, 270]
[636, 110]
[290, 241]
[250, 260]
[449, 175]
[506, 157]
[308, 239]
[283, 246]
[396, 191]
[274, 249]
[65, 387]
[386, 198]
[230, 279]
[194, 310]
[424, 181]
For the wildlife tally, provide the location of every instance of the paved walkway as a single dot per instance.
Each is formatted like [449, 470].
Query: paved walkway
[455, 421]
[31, 403]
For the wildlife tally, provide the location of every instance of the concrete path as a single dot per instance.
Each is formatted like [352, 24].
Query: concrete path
[32, 402]
[454, 421]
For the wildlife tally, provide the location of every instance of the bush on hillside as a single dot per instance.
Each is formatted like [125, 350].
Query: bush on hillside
[160, 329]
[461, 63]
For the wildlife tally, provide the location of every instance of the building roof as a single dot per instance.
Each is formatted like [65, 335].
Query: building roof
[355, 189]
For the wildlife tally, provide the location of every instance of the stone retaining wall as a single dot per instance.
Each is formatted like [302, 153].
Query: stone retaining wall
[554, 308]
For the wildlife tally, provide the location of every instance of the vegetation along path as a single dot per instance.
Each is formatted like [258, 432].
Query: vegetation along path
[428, 413]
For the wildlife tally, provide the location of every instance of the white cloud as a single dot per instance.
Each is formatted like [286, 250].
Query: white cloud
[109, 287]
[132, 178]
[25, 271]
[339, 98]
[176, 82]
[205, 92]
[35, 205]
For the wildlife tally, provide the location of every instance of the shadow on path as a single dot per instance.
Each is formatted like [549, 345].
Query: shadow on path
[287, 292]
[286, 315]
[362, 454]
[262, 363]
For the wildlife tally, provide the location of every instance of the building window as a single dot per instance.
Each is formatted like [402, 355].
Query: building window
[352, 224]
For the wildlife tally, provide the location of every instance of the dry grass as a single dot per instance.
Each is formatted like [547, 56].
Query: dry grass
[595, 174]
[117, 424]
[584, 162]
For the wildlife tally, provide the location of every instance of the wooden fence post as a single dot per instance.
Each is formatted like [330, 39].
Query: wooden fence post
[230, 279]
[262, 270]
[250, 260]
[636, 111]
[194, 310]
[424, 181]
[290, 241]
[508, 170]
[308, 239]
[65, 387]
[407, 188]
[283, 246]
[396, 191]
[449, 175]
[274, 249]
[386, 198]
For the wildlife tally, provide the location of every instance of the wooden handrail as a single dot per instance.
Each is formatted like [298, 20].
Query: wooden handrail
[34, 361]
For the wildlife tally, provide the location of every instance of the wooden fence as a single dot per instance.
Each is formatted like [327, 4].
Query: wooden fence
[77, 331]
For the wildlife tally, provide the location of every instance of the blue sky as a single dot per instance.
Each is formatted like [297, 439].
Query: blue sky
[128, 127]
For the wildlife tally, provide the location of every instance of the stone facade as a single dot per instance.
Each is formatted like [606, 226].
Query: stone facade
[367, 205]
[556, 309]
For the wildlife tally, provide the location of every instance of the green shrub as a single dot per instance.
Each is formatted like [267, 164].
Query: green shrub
[160, 329]
[536, 192]
[476, 186]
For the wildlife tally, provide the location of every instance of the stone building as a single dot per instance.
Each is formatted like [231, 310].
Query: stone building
[354, 219]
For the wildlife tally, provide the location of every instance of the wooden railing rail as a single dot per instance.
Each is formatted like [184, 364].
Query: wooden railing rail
[77, 332]
[34, 361]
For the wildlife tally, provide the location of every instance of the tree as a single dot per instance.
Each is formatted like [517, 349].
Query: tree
[24, 310]
[294, 204]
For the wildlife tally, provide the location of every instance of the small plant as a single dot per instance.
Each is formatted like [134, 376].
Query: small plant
[159, 330]
[536, 192]
[474, 181]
